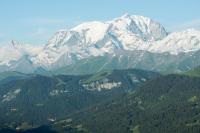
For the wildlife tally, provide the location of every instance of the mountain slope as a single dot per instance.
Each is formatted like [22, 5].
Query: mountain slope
[34, 100]
[6, 77]
[178, 42]
[194, 72]
[165, 104]
[160, 62]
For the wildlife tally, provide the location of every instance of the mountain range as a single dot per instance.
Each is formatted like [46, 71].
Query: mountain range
[129, 41]
[128, 101]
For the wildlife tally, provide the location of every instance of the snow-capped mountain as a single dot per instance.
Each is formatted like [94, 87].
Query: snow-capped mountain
[177, 42]
[93, 39]
[15, 50]
[17, 56]
[97, 38]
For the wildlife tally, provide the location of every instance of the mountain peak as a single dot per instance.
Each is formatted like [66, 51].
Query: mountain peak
[90, 33]
[146, 28]
[126, 15]
[15, 44]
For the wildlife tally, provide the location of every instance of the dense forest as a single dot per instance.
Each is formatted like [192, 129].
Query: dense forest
[28, 101]
[146, 102]
[168, 104]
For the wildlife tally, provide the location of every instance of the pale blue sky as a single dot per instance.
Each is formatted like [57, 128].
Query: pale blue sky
[35, 21]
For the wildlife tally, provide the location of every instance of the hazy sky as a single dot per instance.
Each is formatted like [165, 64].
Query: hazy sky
[35, 21]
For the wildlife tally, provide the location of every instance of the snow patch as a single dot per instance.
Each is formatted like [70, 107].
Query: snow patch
[11, 95]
